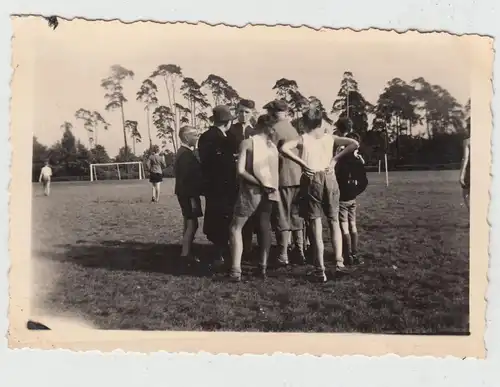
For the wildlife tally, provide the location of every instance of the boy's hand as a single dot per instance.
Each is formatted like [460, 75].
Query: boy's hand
[307, 171]
[331, 167]
[269, 190]
[462, 181]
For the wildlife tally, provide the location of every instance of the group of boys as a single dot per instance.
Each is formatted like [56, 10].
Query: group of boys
[210, 171]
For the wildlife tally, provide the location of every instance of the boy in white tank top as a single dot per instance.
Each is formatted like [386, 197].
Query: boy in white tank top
[320, 191]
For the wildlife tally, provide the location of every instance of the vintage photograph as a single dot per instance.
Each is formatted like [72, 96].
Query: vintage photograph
[187, 177]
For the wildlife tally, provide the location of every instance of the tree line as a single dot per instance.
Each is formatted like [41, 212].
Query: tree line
[386, 126]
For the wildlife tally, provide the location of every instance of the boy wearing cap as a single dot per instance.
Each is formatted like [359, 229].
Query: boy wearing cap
[216, 150]
[289, 224]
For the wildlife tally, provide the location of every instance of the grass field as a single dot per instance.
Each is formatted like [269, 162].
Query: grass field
[108, 251]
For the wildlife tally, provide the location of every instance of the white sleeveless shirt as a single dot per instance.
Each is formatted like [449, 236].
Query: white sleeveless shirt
[317, 152]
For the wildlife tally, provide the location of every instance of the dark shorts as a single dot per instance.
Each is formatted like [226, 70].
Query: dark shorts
[347, 211]
[190, 207]
[45, 181]
[319, 194]
[287, 210]
[155, 177]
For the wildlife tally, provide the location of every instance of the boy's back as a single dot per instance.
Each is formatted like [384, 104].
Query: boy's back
[351, 177]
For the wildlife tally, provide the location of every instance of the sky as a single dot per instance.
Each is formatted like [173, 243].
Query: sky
[67, 64]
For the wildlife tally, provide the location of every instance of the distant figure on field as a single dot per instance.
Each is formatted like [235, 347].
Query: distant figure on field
[155, 166]
[188, 188]
[45, 177]
[352, 180]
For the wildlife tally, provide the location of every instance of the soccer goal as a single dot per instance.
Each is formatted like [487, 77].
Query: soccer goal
[117, 171]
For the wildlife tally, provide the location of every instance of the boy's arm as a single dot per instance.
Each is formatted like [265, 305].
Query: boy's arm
[40, 178]
[287, 148]
[242, 160]
[465, 160]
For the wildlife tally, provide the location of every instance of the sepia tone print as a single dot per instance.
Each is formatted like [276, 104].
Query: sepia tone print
[187, 179]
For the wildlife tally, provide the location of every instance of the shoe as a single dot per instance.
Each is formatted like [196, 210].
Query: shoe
[153, 200]
[319, 275]
[300, 256]
[357, 260]
[341, 267]
[235, 277]
[283, 260]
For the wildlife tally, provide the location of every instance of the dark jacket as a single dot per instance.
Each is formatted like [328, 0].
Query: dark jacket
[187, 171]
[217, 156]
[239, 134]
[351, 177]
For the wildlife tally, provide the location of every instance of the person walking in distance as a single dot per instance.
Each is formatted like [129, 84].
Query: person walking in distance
[241, 130]
[320, 191]
[216, 151]
[352, 181]
[289, 225]
[259, 180]
[155, 165]
[45, 178]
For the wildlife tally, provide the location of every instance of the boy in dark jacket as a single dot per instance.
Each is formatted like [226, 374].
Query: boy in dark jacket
[188, 178]
[352, 180]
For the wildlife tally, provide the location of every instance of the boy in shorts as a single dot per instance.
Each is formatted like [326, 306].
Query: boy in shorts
[352, 180]
[188, 181]
[319, 188]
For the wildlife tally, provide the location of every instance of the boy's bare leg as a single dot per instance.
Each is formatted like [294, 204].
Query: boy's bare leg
[283, 242]
[466, 196]
[264, 238]
[316, 235]
[347, 241]
[236, 245]
[190, 228]
[153, 188]
[157, 197]
[336, 235]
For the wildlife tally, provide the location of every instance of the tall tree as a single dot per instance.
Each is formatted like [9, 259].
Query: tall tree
[288, 91]
[171, 75]
[395, 112]
[132, 128]
[92, 121]
[197, 100]
[351, 103]
[222, 92]
[442, 112]
[147, 95]
[114, 93]
[163, 120]
[100, 155]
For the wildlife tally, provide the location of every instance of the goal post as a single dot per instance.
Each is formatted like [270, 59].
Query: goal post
[114, 170]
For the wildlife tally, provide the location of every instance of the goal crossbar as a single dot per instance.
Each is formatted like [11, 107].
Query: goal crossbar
[93, 172]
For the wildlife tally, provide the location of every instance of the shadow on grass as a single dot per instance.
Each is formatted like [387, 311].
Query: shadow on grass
[134, 256]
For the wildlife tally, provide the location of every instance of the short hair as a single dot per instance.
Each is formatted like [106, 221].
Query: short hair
[183, 131]
[155, 148]
[248, 103]
[313, 119]
[342, 124]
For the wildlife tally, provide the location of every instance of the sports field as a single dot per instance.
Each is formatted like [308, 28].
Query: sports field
[108, 250]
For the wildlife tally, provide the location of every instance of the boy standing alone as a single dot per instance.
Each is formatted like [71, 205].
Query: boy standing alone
[45, 177]
[187, 172]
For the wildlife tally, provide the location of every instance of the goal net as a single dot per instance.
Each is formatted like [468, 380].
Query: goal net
[117, 171]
